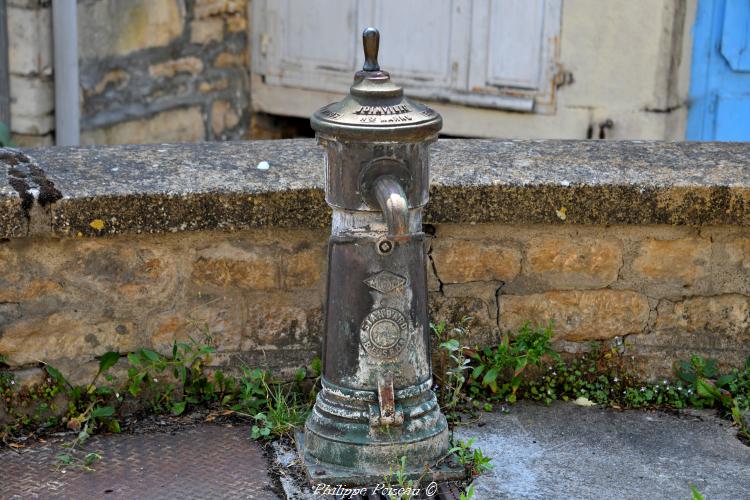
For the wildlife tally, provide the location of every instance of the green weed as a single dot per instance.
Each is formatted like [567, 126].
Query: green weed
[472, 459]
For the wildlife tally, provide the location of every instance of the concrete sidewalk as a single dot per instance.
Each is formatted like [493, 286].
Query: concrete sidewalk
[568, 451]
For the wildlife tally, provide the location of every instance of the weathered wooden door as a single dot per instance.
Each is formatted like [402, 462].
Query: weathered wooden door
[720, 82]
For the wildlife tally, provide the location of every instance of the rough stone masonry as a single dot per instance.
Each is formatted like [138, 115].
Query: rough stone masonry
[150, 70]
[643, 241]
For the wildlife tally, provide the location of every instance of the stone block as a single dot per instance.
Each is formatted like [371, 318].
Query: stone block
[278, 323]
[32, 103]
[236, 22]
[207, 8]
[115, 78]
[228, 266]
[207, 30]
[578, 315]
[223, 117]
[230, 59]
[730, 266]
[123, 275]
[724, 314]
[213, 85]
[486, 291]
[462, 261]
[167, 69]
[210, 320]
[65, 335]
[473, 312]
[433, 284]
[29, 41]
[304, 268]
[669, 266]
[174, 125]
[33, 141]
[111, 27]
[713, 327]
[565, 263]
[100, 282]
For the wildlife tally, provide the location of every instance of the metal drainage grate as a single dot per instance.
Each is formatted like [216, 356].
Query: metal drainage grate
[208, 461]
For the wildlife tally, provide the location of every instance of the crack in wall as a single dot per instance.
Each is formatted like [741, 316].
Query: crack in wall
[668, 109]
[431, 231]
[498, 292]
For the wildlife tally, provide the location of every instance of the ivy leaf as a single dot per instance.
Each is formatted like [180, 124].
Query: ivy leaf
[724, 380]
[108, 360]
[56, 375]
[451, 345]
[102, 411]
[134, 359]
[489, 377]
[90, 458]
[150, 355]
[178, 407]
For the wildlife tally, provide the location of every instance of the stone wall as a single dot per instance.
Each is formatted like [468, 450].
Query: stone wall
[667, 292]
[122, 247]
[255, 294]
[163, 70]
[150, 70]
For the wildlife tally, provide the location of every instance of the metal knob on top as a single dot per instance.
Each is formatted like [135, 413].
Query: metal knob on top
[371, 44]
[376, 108]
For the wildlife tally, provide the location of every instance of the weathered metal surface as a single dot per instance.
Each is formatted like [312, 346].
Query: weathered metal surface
[352, 167]
[203, 462]
[376, 403]
[441, 472]
[376, 109]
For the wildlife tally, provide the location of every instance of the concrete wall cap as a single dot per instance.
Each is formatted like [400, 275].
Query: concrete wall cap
[219, 186]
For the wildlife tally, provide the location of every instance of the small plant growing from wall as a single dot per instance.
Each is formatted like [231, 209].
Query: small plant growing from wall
[524, 366]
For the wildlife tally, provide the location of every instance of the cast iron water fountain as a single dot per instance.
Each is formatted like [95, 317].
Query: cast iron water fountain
[376, 403]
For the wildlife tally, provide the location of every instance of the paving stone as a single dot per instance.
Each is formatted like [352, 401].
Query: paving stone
[569, 451]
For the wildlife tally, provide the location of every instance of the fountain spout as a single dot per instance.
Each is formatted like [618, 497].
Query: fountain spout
[394, 205]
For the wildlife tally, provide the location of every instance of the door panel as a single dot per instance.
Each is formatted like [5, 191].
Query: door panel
[735, 38]
[733, 119]
[720, 74]
[306, 41]
[416, 49]
[515, 43]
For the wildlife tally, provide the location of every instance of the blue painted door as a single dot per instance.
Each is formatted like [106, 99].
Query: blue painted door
[720, 76]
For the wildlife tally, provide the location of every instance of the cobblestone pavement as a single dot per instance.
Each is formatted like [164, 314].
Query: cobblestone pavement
[206, 461]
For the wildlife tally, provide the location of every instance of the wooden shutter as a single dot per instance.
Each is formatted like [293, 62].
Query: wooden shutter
[491, 53]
